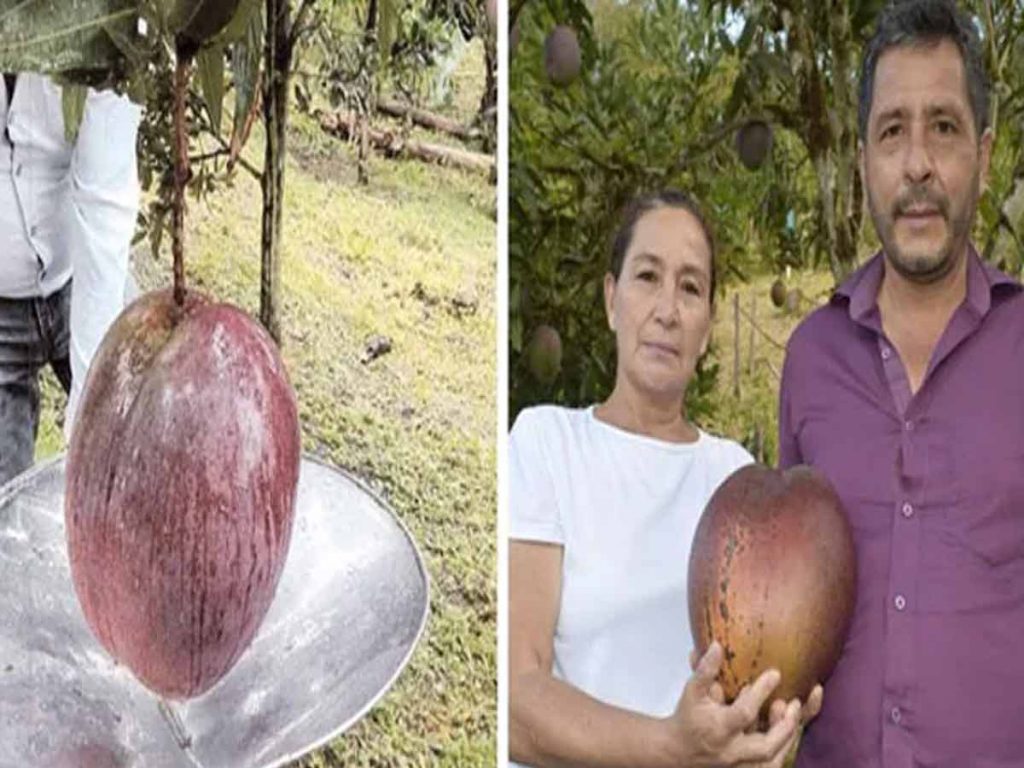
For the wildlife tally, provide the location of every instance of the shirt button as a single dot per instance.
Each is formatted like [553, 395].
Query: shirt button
[896, 715]
[34, 231]
[908, 509]
[886, 353]
[900, 602]
[17, 171]
[908, 426]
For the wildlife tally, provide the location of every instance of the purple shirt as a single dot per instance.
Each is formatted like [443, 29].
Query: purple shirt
[932, 673]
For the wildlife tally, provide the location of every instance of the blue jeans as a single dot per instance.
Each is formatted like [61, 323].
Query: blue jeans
[33, 333]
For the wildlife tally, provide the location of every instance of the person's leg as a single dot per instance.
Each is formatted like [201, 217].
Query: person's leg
[57, 327]
[21, 357]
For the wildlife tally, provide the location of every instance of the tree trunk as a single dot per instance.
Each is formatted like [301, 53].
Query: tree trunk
[823, 170]
[488, 115]
[426, 119]
[844, 144]
[275, 113]
[362, 162]
[826, 134]
[370, 30]
[393, 145]
[367, 97]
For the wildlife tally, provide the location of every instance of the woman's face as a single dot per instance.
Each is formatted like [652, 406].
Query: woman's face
[660, 306]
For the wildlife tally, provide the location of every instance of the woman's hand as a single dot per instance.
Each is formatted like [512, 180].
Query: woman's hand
[810, 709]
[704, 731]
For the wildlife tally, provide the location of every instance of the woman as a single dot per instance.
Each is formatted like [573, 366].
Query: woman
[604, 505]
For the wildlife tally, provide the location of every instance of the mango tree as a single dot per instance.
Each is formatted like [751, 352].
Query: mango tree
[149, 49]
[800, 69]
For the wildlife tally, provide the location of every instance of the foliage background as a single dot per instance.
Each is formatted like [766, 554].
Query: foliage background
[663, 87]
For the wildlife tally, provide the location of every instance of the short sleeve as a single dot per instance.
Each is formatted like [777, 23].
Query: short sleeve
[737, 457]
[105, 163]
[533, 507]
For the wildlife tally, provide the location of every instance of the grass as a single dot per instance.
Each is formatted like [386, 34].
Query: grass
[411, 256]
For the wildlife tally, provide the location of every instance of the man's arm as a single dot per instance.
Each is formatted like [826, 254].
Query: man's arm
[102, 217]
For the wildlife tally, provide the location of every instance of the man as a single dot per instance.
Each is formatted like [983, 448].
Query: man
[65, 208]
[907, 390]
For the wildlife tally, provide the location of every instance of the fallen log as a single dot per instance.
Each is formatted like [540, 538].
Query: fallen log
[425, 119]
[393, 145]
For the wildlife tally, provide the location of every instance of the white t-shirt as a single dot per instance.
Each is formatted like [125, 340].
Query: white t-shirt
[625, 508]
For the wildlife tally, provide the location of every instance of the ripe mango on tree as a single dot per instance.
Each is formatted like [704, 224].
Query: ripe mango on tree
[754, 143]
[562, 57]
[544, 354]
[197, 22]
[181, 486]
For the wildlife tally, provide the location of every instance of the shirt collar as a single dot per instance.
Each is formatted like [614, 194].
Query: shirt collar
[861, 288]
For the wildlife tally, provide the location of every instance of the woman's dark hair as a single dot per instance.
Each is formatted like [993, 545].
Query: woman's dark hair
[666, 198]
[917, 22]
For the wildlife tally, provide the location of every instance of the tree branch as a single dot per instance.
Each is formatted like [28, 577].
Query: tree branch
[709, 143]
[298, 26]
[181, 176]
[225, 151]
[580, 151]
[514, 10]
[206, 156]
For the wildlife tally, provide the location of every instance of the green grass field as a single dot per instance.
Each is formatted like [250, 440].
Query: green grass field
[411, 256]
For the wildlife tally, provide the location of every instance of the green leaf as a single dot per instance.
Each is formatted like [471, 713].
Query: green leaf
[210, 62]
[725, 41]
[158, 223]
[387, 27]
[54, 37]
[738, 98]
[770, 65]
[515, 334]
[73, 104]
[864, 15]
[747, 37]
[988, 210]
[240, 26]
[199, 21]
[246, 56]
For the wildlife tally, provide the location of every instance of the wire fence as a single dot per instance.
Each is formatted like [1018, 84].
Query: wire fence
[743, 316]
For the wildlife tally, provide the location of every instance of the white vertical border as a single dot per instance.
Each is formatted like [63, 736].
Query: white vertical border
[502, 394]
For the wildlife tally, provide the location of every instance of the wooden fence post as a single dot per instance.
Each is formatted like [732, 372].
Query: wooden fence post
[736, 345]
[753, 321]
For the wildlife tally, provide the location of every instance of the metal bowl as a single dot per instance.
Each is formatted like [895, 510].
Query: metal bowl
[349, 610]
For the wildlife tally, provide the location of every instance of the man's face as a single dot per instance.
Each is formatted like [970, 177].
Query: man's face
[921, 159]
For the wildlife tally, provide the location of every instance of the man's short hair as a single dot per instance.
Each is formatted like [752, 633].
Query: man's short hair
[917, 22]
